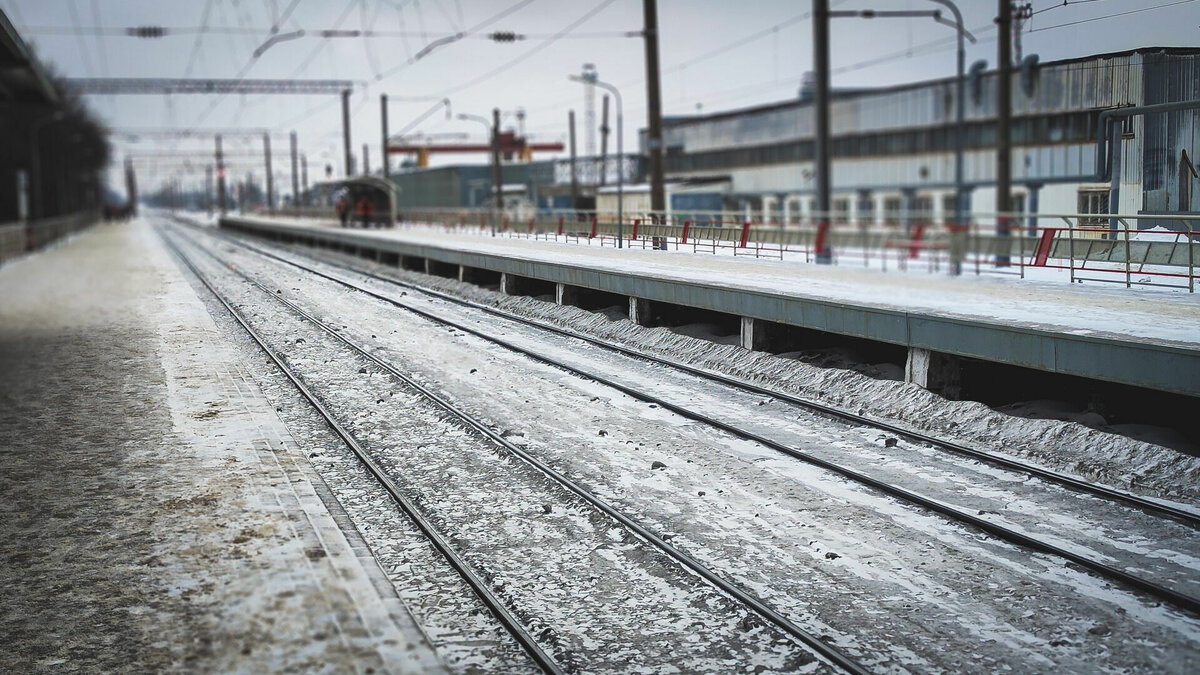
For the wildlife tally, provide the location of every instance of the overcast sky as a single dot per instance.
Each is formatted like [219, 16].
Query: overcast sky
[716, 55]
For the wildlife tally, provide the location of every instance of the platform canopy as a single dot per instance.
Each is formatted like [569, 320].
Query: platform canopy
[22, 79]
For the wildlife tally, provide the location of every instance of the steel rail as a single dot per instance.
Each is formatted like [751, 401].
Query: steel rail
[1189, 518]
[759, 607]
[464, 570]
[1176, 598]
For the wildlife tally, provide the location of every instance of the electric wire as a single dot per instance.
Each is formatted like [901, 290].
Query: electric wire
[1111, 16]
[204, 19]
[84, 52]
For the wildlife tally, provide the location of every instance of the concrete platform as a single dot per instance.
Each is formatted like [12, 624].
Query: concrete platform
[1140, 337]
[155, 513]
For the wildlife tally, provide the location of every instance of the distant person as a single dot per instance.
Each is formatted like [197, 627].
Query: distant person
[343, 210]
[366, 209]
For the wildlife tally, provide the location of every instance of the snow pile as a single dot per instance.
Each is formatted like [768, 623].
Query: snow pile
[1068, 447]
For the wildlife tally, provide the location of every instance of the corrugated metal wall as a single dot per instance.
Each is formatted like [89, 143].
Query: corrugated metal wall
[1089, 84]
[1169, 78]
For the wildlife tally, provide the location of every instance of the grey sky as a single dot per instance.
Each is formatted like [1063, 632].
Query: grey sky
[761, 70]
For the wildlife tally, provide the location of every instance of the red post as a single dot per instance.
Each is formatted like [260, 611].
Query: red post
[482, 222]
[530, 226]
[745, 234]
[914, 245]
[636, 222]
[822, 235]
[687, 224]
[593, 234]
[560, 222]
[505, 228]
[1043, 248]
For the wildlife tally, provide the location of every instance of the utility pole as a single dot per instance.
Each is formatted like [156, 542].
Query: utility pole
[270, 175]
[346, 129]
[366, 168]
[574, 172]
[220, 178]
[304, 177]
[131, 186]
[383, 142]
[497, 173]
[821, 128]
[295, 174]
[658, 202]
[208, 190]
[1003, 127]
[604, 142]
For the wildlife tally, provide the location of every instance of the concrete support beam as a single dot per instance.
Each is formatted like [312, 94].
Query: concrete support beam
[640, 311]
[463, 274]
[565, 294]
[509, 284]
[935, 371]
[429, 266]
[758, 335]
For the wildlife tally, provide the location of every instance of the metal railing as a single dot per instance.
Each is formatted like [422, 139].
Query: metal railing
[1084, 245]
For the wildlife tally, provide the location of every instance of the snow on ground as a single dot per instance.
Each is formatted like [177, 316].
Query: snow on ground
[600, 597]
[1066, 446]
[155, 514]
[797, 534]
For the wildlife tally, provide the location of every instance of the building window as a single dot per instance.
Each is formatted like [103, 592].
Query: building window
[1016, 202]
[922, 209]
[893, 208]
[866, 210]
[841, 211]
[1093, 200]
[793, 209]
[948, 208]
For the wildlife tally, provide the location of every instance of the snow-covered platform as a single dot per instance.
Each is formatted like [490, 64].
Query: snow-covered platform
[155, 513]
[1140, 337]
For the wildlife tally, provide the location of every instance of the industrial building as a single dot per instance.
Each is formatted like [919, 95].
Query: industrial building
[893, 149]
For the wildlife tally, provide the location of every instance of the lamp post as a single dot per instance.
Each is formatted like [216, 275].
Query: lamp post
[959, 89]
[35, 161]
[591, 78]
[821, 15]
[497, 176]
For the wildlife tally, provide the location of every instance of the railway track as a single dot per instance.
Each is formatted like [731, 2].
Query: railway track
[1190, 518]
[512, 624]
[1175, 598]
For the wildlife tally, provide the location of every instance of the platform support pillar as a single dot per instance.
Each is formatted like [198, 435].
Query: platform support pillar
[935, 371]
[509, 284]
[566, 294]
[640, 312]
[757, 335]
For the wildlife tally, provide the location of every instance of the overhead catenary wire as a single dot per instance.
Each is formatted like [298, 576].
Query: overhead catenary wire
[101, 53]
[587, 16]
[1111, 16]
[1064, 3]
[470, 31]
[204, 19]
[84, 52]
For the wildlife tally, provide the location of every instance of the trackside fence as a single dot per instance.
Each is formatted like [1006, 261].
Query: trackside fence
[19, 238]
